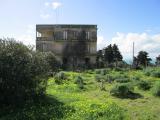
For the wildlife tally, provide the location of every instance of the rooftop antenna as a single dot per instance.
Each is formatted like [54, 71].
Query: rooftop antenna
[56, 15]
[57, 12]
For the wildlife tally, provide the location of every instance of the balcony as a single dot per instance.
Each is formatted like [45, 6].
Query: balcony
[45, 38]
[58, 40]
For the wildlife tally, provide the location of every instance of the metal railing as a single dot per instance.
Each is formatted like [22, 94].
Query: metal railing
[53, 39]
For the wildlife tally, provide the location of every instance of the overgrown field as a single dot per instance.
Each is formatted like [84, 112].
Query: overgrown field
[101, 94]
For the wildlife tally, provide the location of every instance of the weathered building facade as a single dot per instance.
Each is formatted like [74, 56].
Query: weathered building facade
[73, 45]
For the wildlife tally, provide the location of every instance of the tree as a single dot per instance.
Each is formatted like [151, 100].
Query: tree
[143, 58]
[112, 54]
[108, 54]
[54, 64]
[158, 60]
[116, 54]
[23, 72]
[100, 59]
[135, 63]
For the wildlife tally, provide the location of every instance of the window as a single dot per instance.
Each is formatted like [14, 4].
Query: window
[74, 34]
[65, 35]
[88, 47]
[87, 35]
[39, 34]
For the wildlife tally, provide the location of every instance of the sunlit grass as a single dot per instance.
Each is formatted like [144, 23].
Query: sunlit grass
[67, 101]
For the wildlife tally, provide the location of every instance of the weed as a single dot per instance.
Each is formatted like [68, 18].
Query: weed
[144, 85]
[156, 89]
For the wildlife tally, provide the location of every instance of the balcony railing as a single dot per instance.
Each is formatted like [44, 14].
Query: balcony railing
[53, 39]
[45, 38]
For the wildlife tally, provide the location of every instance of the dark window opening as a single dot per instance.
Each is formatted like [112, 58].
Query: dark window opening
[65, 61]
[87, 61]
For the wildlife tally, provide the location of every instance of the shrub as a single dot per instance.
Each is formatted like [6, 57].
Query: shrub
[122, 90]
[98, 71]
[144, 85]
[119, 76]
[79, 82]
[104, 72]
[122, 80]
[102, 86]
[155, 74]
[89, 71]
[23, 73]
[52, 61]
[98, 78]
[109, 78]
[148, 71]
[106, 78]
[118, 69]
[60, 77]
[135, 78]
[156, 89]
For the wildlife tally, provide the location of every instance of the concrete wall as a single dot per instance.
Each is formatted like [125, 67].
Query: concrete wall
[54, 40]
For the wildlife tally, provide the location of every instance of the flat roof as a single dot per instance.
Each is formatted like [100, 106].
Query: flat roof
[51, 26]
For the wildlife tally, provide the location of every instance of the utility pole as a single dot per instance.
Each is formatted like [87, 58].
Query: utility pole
[133, 52]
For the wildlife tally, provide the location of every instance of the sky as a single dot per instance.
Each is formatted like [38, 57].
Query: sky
[119, 21]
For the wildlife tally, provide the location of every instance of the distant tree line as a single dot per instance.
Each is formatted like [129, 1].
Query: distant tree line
[109, 56]
[142, 59]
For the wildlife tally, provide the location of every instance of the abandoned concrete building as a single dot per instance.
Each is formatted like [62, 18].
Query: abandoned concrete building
[72, 45]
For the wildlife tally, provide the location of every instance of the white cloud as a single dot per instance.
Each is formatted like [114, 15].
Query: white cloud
[101, 43]
[28, 38]
[56, 5]
[45, 16]
[143, 41]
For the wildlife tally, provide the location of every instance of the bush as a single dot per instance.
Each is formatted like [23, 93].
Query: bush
[118, 69]
[23, 72]
[135, 78]
[106, 78]
[102, 85]
[151, 72]
[98, 71]
[156, 89]
[155, 74]
[104, 72]
[98, 78]
[122, 80]
[147, 73]
[53, 62]
[79, 82]
[109, 78]
[122, 90]
[60, 77]
[144, 85]
[119, 76]
[89, 71]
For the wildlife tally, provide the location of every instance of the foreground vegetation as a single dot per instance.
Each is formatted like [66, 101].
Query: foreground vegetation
[67, 99]
[33, 87]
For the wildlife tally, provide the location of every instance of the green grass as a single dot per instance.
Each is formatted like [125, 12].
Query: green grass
[67, 101]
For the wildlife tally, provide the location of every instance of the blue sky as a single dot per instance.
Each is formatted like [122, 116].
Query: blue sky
[119, 21]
